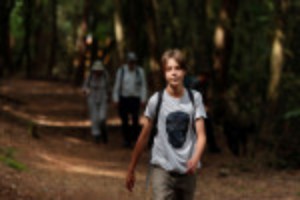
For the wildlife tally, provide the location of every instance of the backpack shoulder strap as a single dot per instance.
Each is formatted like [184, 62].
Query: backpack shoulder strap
[122, 73]
[191, 95]
[121, 80]
[138, 75]
[155, 119]
[158, 105]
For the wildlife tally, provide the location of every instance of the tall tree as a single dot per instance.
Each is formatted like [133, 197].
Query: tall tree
[119, 30]
[53, 44]
[26, 47]
[81, 43]
[39, 34]
[277, 59]
[200, 41]
[223, 41]
[28, 5]
[6, 7]
[150, 10]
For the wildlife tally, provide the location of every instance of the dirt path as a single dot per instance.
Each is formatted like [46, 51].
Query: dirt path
[64, 163]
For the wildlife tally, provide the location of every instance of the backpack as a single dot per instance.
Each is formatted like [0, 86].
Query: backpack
[138, 79]
[157, 110]
[90, 78]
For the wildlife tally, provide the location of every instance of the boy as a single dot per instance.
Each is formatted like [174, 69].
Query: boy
[180, 139]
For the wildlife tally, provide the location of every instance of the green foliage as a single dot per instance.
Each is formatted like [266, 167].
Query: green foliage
[103, 31]
[16, 20]
[7, 157]
[292, 114]
[289, 96]
[287, 153]
[214, 9]
[249, 63]
[286, 137]
[249, 76]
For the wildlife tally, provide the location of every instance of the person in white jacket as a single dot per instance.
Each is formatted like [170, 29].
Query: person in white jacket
[96, 89]
[129, 94]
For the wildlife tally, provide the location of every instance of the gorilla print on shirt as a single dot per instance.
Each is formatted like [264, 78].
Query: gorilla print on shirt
[177, 127]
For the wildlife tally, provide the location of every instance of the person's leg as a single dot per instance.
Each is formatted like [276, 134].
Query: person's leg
[123, 112]
[102, 117]
[185, 187]
[93, 110]
[162, 184]
[135, 110]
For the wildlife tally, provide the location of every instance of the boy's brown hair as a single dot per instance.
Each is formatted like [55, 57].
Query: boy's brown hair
[177, 55]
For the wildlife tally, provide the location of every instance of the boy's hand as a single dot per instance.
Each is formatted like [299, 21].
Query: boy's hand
[192, 165]
[130, 180]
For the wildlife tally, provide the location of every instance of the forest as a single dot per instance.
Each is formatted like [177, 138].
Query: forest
[247, 51]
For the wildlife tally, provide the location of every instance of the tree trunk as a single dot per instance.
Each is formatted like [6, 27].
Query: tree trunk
[152, 32]
[5, 51]
[200, 38]
[132, 28]
[26, 49]
[223, 42]
[81, 44]
[276, 66]
[40, 49]
[53, 45]
[119, 31]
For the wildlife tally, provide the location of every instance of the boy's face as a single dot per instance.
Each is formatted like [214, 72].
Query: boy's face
[174, 74]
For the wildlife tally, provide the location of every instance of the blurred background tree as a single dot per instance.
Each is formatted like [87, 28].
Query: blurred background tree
[249, 49]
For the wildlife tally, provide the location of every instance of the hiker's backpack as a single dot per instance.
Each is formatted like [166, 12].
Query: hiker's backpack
[138, 80]
[104, 74]
[157, 110]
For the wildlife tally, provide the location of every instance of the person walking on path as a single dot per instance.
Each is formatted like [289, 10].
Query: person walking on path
[179, 139]
[129, 94]
[96, 89]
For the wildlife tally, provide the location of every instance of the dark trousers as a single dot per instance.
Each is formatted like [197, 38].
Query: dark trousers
[129, 107]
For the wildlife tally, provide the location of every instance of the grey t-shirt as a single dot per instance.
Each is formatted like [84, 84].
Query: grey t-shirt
[175, 140]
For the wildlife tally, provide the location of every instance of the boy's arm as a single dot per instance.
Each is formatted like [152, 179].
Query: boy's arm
[138, 149]
[199, 146]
